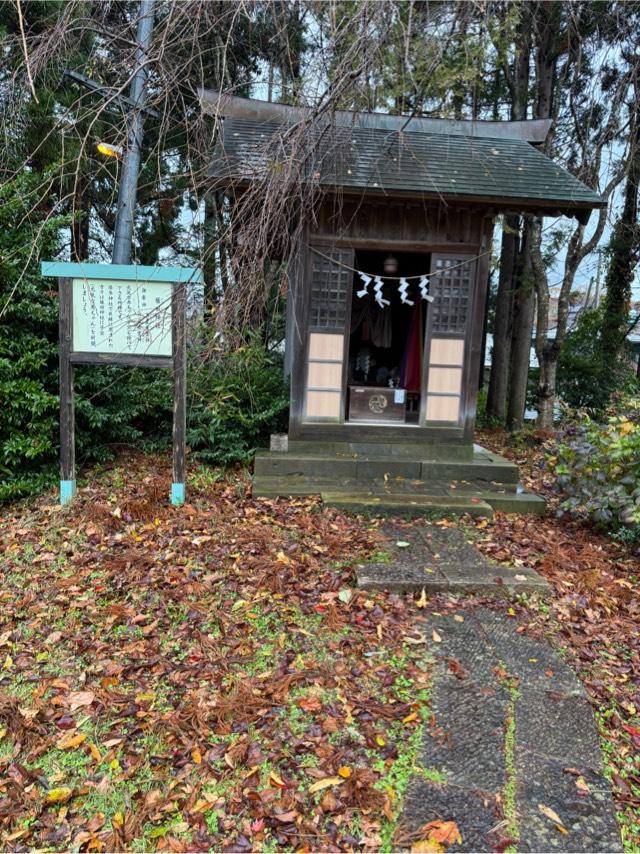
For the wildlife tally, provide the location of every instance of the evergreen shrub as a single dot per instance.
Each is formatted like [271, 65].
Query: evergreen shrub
[597, 468]
[236, 399]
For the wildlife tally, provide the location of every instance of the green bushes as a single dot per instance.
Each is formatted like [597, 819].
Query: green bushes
[235, 401]
[28, 354]
[597, 467]
[113, 405]
[587, 379]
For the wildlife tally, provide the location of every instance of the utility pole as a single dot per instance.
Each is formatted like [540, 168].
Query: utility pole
[597, 297]
[128, 189]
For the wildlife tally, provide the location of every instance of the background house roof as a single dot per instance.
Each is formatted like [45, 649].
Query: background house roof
[503, 172]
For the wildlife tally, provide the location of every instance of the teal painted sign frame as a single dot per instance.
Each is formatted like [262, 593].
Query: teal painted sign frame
[116, 280]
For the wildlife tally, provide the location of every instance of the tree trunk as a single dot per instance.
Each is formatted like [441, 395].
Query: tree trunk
[546, 25]
[625, 249]
[501, 352]
[80, 223]
[524, 302]
[517, 78]
[547, 351]
[209, 259]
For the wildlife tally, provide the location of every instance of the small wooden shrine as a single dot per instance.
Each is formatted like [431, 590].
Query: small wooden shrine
[387, 298]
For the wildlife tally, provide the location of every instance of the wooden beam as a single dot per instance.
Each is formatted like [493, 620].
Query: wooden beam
[136, 361]
[218, 104]
[179, 344]
[67, 414]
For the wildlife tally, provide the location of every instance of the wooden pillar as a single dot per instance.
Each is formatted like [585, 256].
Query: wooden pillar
[478, 309]
[179, 392]
[67, 415]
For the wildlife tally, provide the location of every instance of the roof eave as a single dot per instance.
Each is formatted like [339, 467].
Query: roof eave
[222, 105]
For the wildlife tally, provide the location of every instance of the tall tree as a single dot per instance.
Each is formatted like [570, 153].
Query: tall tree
[512, 35]
[624, 249]
[589, 119]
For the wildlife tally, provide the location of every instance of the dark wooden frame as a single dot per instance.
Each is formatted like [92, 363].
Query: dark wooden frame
[460, 433]
[68, 359]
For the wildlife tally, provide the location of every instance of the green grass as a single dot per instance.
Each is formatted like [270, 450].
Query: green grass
[510, 789]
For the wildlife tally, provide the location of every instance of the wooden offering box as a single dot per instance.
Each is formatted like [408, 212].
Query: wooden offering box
[370, 403]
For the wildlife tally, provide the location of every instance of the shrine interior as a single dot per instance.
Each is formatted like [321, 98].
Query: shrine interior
[386, 344]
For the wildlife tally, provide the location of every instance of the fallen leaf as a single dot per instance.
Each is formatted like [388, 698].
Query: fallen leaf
[58, 796]
[436, 637]
[344, 771]
[427, 846]
[402, 544]
[78, 699]
[68, 742]
[422, 601]
[437, 836]
[286, 817]
[553, 815]
[325, 783]
[277, 781]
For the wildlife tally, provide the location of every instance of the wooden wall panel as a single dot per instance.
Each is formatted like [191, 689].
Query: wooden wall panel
[324, 379]
[325, 375]
[445, 380]
[323, 404]
[446, 351]
[403, 220]
[442, 408]
[326, 346]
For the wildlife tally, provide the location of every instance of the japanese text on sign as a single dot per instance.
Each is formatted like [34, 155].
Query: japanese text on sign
[122, 317]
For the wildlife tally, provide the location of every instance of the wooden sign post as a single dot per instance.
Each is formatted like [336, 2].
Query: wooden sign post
[121, 314]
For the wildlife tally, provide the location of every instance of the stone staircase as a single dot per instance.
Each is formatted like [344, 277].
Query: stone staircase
[401, 480]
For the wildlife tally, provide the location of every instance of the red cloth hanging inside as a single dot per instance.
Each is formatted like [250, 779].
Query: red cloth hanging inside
[411, 371]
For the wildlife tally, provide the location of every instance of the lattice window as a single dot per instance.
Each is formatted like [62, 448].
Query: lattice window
[330, 289]
[452, 292]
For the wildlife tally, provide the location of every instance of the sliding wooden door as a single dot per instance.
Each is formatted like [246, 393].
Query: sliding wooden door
[330, 289]
[452, 284]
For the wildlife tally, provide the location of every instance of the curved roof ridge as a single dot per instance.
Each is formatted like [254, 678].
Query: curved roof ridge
[222, 104]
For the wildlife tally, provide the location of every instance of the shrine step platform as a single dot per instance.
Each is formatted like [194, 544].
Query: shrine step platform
[406, 480]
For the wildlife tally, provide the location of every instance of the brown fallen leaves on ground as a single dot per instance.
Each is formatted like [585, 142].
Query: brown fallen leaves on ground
[201, 677]
[594, 618]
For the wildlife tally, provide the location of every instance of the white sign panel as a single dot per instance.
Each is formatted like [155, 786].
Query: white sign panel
[122, 317]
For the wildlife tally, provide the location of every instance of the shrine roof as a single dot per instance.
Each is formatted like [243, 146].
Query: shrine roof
[395, 155]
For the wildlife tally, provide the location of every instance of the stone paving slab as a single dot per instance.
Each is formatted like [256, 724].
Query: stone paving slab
[466, 742]
[531, 661]
[588, 817]
[493, 782]
[476, 813]
[562, 727]
[440, 559]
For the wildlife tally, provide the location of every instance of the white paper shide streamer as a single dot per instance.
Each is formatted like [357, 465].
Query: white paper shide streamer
[367, 281]
[423, 284]
[377, 292]
[403, 287]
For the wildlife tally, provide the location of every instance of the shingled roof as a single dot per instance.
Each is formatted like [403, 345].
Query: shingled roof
[506, 173]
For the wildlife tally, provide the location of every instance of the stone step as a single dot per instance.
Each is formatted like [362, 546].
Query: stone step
[433, 450]
[518, 502]
[435, 506]
[298, 484]
[476, 471]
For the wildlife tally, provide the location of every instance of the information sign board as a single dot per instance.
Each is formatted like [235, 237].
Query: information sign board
[121, 314]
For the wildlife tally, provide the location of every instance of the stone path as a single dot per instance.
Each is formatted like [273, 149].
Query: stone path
[511, 753]
[440, 559]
